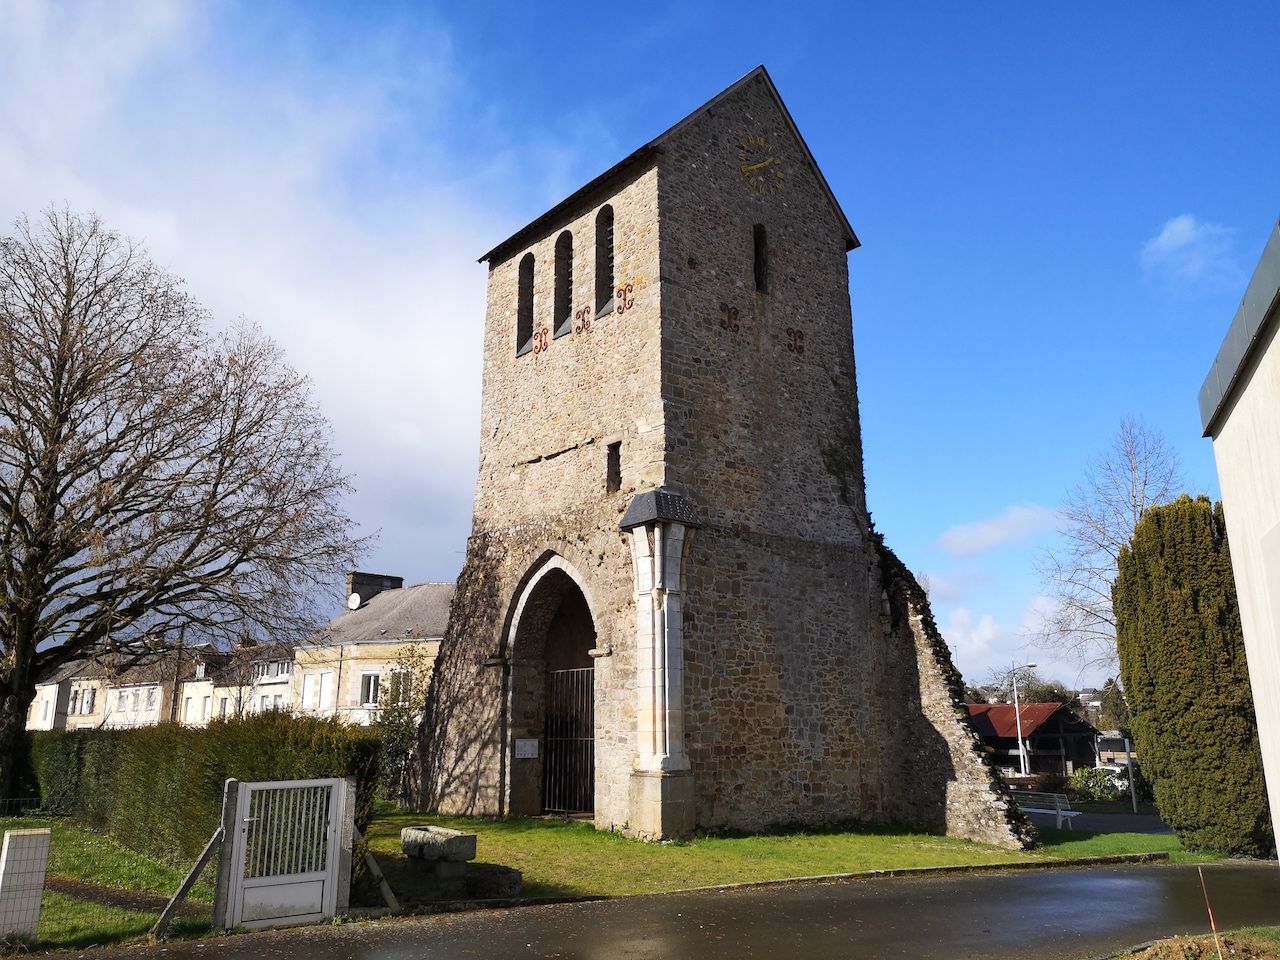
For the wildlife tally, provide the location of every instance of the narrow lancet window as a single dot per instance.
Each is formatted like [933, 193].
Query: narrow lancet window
[613, 474]
[604, 261]
[562, 322]
[761, 259]
[524, 307]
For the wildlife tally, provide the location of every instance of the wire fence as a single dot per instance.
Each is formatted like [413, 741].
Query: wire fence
[99, 893]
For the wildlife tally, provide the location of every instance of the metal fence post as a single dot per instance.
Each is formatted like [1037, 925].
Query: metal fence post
[346, 843]
[222, 906]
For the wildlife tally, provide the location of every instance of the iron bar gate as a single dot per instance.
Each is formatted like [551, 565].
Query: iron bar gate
[569, 775]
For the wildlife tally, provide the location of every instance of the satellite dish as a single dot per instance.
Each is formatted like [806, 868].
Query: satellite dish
[353, 601]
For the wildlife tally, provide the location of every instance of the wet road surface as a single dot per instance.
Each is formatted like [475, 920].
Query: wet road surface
[1077, 913]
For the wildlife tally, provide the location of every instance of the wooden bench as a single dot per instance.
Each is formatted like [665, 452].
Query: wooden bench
[1056, 804]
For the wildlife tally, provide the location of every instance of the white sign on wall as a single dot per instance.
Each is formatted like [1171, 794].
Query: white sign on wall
[526, 749]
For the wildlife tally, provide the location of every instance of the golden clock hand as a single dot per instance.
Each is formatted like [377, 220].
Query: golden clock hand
[759, 166]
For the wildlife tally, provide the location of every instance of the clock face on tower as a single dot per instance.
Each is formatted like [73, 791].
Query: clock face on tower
[760, 168]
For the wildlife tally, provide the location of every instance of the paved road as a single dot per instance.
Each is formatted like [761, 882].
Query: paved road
[1045, 914]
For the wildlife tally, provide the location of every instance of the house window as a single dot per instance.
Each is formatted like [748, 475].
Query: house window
[524, 307]
[200, 671]
[562, 322]
[761, 259]
[44, 710]
[260, 670]
[75, 702]
[151, 698]
[186, 710]
[265, 704]
[136, 699]
[604, 261]
[284, 668]
[86, 702]
[222, 707]
[613, 470]
[204, 711]
[369, 689]
[326, 690]
[308, 691]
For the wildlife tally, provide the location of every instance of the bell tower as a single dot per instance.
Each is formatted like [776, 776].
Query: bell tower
[671, 478]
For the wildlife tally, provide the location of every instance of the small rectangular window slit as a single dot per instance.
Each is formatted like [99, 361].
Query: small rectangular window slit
[761, 259]
[613, 477]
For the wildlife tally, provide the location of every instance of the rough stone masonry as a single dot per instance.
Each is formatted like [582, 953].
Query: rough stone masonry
[674, 614]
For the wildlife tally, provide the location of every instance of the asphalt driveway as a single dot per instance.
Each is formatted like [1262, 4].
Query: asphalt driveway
[1047, 914]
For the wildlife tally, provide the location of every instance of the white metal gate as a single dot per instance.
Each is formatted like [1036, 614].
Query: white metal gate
[286, 852]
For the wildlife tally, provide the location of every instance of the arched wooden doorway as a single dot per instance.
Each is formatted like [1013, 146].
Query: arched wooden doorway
[553, 696]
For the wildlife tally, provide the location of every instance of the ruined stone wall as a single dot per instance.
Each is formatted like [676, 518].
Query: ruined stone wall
[941, 778]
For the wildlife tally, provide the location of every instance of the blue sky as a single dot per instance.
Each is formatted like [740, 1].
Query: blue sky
[1059, 209]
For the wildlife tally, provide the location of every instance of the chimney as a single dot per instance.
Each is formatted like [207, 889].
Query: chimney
[369, 585]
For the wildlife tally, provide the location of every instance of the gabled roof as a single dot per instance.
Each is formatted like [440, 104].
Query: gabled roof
[646, 154]
[998, 719]
[420, 612]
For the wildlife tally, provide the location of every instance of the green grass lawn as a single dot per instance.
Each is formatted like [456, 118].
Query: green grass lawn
[564, 858]
[71, 922]
[558, 858]
[1069, 844]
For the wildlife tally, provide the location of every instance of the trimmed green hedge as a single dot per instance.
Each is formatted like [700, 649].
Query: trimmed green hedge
[158, 790]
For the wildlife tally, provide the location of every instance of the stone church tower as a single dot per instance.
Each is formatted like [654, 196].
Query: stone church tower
[674, 615]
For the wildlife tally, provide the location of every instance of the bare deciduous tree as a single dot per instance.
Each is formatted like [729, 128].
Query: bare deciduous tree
[1098, 517]
[154, 477]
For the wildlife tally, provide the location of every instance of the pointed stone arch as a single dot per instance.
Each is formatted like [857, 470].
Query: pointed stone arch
[548, 642]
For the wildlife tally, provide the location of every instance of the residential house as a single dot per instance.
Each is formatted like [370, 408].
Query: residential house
[247, 680]
[52, 704]
[101, 692]
[363, 658]
[1114, 748]
[1057, 740]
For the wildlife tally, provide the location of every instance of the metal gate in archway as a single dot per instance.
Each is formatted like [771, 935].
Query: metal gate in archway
[569, 773]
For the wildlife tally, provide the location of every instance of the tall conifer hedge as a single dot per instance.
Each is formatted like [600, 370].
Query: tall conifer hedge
[1183, 665]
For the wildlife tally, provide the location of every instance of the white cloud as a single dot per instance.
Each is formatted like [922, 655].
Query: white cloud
[260, 183]
[954, 586]
[1015, 525]
[972, 641]
[1187, 251]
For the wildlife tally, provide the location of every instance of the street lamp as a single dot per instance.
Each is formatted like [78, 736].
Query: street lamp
[1017, 716]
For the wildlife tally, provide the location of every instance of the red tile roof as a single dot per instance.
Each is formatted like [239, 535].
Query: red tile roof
[997, 719]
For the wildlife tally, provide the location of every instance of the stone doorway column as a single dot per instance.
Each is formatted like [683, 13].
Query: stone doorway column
[662, 800]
